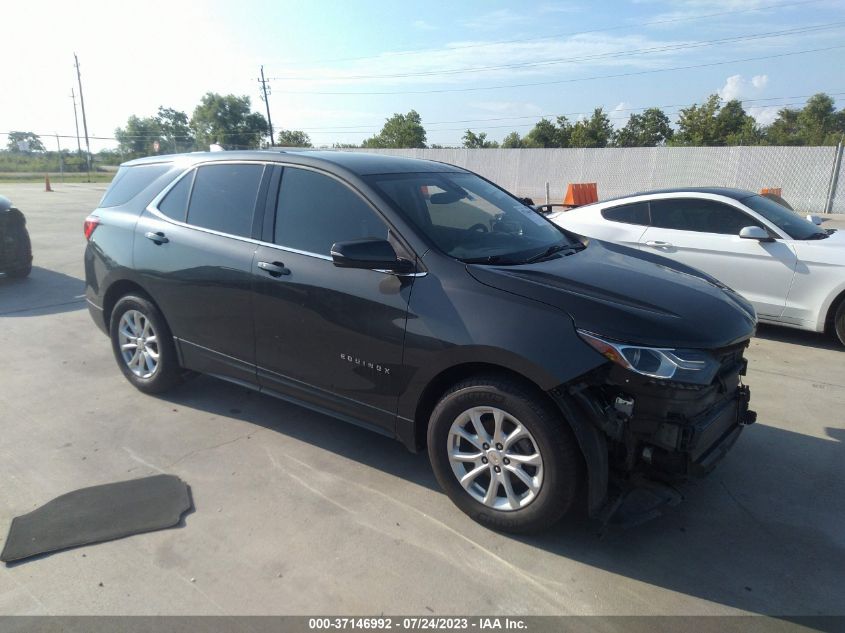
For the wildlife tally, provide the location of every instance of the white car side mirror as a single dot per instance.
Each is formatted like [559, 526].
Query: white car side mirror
[814, 219]
[755, 233]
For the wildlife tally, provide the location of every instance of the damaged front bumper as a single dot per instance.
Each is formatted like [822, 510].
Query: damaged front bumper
[660, 432]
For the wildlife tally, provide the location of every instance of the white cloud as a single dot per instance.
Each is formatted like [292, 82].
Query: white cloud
[620, 114]
[422, 25]
[732, 88]
[736, 87]
[764, 115]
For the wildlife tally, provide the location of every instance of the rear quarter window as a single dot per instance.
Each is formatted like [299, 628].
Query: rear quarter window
[130, 181]
[636, 213]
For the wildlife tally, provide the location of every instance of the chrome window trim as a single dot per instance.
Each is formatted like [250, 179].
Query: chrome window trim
[153, 209]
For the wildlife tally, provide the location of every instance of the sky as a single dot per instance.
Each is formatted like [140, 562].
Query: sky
[339, 69]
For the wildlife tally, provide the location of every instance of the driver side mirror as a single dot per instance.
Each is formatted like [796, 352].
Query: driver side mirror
[370, 254]
[756, 233]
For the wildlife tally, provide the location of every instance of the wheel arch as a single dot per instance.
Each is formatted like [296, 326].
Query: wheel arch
[591, 441]
[829, 324]
[118, 289]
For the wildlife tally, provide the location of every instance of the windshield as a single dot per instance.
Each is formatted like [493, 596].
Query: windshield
[787, 221]
[472, 220]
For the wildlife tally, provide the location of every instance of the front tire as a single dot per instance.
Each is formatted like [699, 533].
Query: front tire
[23, 256]
[839, 322]
[143, 345]
[504, 455]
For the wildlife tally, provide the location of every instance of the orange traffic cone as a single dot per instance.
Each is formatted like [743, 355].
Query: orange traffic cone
[47, 186]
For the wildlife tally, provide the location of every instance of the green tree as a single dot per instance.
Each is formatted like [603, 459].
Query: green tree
[593, 132]
[513, 140]
[735, 127]
[227, 120]
[175, 131]
[818, 121]
[24, 142]
[478, 141]
[647, 129]
[784, 129]
[293, 138]
[400, 130]
[138, 137]
[548, 134]
[697, 123]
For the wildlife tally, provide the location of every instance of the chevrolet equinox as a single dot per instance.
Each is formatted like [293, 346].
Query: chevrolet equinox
[541, 371]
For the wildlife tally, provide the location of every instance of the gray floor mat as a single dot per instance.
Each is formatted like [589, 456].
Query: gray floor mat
[97, 514]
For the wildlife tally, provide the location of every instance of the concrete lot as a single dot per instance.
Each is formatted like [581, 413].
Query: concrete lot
[297, 513]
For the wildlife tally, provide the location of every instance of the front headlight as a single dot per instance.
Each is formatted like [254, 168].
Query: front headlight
[682, 365]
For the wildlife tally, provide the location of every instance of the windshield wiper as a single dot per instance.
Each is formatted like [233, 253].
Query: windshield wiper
[551, 250]
[490, 259]
[819, 236]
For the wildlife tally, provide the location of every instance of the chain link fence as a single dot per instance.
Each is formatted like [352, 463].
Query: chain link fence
[803, 173]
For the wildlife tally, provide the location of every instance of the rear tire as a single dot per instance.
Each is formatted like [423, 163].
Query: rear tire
[521, 472]
[23, 257]
[143, 345]
[839, 322]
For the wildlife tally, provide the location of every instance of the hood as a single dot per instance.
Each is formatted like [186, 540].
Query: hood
[827, 252]
[630, 296]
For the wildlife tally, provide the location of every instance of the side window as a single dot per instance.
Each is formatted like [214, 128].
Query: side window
[700, 215]
[315, 211]
[223, 198]
[636, 213]
[175, 203]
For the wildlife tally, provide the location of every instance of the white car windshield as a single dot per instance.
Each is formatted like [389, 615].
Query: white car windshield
[787, 221]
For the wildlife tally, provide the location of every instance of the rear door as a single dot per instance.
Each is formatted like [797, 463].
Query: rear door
[704, 233]
[194, 252]
[329, 336]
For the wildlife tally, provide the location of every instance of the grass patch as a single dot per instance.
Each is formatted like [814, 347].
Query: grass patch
[55, 178]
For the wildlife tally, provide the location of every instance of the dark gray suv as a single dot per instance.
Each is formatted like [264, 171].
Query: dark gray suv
[423, 302]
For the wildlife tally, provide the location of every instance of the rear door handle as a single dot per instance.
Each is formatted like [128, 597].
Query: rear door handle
[159, 237]
[274, 269]
[658, 244]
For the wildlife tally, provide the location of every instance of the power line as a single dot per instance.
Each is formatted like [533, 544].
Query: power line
[544, 116]
[536, 117]
[573, 80]
[782, 5]
[572, 60]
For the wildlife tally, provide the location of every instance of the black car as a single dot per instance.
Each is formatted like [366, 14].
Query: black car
[15, 246]
[421, 301]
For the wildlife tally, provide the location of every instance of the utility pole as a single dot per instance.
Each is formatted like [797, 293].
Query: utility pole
[84, 120]
[264, 83]
[61, 162]
[76, 121]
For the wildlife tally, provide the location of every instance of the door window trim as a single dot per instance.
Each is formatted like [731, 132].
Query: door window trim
[153, 209]
[268, 205]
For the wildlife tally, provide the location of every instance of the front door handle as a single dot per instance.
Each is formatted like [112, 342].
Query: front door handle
[658, 244]
[158, 237]
[274, 269]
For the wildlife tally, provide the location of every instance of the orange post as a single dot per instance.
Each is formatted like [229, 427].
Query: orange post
[47, 186]
[773, 190]
[581, 193]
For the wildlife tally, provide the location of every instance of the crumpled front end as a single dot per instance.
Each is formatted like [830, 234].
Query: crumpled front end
[661, 432]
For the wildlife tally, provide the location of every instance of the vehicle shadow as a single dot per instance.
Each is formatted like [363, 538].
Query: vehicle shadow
[798, 337]
[43, 292]
[763, 533]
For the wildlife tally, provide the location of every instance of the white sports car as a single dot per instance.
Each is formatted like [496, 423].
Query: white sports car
[790, 269]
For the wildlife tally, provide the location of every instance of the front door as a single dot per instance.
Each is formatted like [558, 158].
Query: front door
[329, 336]
[704, 234]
